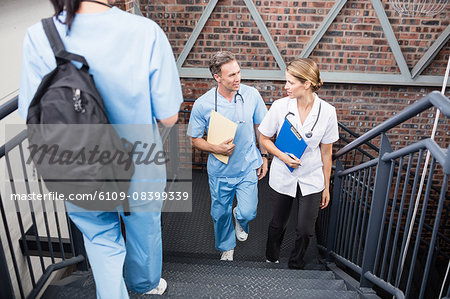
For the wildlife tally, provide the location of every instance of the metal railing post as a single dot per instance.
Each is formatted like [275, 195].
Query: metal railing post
[174, 149]
[376, 211]
[446, 166]
[78, 245]
[335, 205]
[6, 288]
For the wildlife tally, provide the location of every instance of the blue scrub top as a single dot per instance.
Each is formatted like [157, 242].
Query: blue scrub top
[129, 56]
[251, 109]
[134, 70]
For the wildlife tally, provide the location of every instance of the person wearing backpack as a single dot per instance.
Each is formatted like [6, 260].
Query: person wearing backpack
[134, 70]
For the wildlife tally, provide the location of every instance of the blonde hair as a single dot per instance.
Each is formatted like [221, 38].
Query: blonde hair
[305, 69]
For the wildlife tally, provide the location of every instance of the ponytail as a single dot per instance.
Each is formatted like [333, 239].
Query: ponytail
[305, 69]
[70, 6]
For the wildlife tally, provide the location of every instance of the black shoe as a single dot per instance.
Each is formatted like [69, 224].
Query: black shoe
[298, 266]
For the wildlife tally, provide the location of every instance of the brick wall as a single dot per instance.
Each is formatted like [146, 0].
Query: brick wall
[359, 107]
[126, 5]
[354, 42]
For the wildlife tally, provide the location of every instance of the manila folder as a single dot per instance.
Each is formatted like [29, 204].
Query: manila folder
[220, 129]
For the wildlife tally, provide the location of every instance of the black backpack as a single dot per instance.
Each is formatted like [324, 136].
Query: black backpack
[66, 124]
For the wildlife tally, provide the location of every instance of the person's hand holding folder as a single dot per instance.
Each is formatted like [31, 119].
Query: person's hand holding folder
[290, 160]
[221, 134]
[225, 148]
[291, 144]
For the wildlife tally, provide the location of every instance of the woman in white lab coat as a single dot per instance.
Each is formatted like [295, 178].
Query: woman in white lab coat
[308, 184]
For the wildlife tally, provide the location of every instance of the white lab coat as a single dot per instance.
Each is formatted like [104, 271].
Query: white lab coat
[309, 175]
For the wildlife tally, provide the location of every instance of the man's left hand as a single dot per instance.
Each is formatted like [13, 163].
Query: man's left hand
[261, 172]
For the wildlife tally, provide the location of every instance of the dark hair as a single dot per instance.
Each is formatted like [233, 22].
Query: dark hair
[219, 59]
[70, 6]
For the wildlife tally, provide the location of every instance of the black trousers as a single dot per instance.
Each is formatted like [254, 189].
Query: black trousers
[307, 211]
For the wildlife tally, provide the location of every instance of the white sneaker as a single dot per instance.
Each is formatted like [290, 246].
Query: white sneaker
[276, 262]
[227, 255]
[241, 235]
[160, 289]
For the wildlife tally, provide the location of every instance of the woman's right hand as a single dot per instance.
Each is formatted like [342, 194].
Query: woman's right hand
[290, 160]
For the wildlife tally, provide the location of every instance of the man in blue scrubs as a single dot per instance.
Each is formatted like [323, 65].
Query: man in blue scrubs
[242, 104]
[134, 70]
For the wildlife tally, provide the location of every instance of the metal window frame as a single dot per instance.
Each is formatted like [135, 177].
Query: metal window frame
[429, 55]
[392, 40]
[315, 39]
[188, 72]
[406, 77]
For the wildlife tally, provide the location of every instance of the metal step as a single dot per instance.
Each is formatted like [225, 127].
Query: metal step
[260, 263]
[228, 268]
[222, 290]
[222, 280]
[216, 261]
[252, 282]
[199, 290]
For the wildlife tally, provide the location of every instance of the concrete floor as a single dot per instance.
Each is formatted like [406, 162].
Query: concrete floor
[15, 17]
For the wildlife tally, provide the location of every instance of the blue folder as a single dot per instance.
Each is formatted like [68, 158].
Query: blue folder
[290, 141]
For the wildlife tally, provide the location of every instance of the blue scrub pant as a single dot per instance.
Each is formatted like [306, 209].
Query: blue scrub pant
[108, 253]
[223, 190]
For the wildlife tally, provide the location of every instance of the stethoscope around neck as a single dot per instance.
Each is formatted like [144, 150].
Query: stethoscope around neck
[308, 134]
[235, 102]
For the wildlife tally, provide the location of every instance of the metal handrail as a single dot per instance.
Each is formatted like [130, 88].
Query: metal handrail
[9, 107]
[52, 268]
[386, 286]
[428, 143]
[346, 129]
[433, 99]
[16, 142]
[344, 206]
[365, 153]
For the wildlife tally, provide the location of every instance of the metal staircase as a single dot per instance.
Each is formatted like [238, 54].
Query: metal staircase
[196, 278]
[363, 234]
[192, 268]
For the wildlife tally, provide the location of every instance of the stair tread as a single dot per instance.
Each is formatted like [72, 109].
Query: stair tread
[220, 279]
[261, 281]
[315, 265]
[218, 290]
[228, 268]
[222, 290]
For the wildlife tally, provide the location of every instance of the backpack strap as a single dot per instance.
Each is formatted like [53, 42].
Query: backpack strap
[61, 55]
